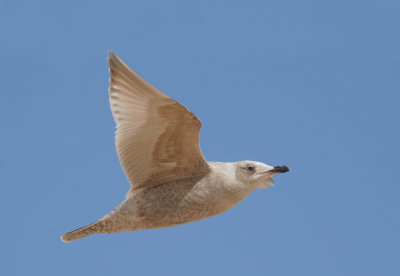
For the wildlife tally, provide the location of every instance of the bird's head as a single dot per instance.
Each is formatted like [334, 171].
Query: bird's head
[256, 174]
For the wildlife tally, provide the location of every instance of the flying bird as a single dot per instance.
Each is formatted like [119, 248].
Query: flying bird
[157, 141]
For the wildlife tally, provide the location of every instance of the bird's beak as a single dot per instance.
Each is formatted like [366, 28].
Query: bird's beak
[280, 169]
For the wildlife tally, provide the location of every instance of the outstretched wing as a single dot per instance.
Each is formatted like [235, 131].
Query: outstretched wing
[157, 138]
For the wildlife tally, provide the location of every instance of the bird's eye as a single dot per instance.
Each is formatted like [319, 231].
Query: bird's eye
[251, 168]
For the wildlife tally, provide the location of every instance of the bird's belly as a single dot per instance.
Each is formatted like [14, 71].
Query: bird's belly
[177, 203]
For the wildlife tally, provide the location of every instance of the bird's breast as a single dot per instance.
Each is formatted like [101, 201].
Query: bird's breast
[184, 201]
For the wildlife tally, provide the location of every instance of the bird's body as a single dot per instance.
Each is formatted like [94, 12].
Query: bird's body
[172, 184]
[184, 200]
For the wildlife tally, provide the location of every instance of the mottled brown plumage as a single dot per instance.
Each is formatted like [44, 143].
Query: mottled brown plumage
[157, 141]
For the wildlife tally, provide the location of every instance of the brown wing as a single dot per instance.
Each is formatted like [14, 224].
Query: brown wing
[157, 138]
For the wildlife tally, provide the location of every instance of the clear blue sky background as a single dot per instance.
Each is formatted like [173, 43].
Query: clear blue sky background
[314, 85]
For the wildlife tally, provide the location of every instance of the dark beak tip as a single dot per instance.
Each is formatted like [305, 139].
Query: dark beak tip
[281, 169]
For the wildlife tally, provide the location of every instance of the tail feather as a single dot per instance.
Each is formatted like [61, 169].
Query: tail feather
[90, 229]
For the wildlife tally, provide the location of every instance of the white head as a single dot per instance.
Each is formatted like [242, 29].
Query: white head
[257, 174]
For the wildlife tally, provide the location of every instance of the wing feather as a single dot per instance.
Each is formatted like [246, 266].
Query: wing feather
[157, 139]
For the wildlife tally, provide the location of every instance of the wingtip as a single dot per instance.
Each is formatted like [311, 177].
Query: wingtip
[112, 55]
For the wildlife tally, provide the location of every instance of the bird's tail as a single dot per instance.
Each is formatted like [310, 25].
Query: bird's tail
[90, 229]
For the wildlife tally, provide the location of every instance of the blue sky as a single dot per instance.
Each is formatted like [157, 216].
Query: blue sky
[311, 84]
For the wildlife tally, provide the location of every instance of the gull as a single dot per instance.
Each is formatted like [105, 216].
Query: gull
[157, 141]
